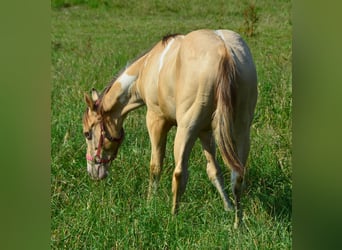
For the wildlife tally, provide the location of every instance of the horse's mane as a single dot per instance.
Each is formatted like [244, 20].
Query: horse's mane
[167, 37]
[109, 85]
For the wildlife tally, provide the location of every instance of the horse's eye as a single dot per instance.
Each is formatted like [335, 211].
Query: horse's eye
[87, 135]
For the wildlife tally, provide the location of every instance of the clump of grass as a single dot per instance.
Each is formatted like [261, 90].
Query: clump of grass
[250, 20]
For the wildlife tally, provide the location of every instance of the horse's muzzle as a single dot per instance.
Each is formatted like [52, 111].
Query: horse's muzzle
[97, 171]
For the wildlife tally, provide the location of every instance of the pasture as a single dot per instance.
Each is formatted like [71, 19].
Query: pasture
[90, 43]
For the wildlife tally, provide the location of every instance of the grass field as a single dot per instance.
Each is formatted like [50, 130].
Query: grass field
[91, 42]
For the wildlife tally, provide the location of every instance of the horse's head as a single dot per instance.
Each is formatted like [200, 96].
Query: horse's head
[104, 135]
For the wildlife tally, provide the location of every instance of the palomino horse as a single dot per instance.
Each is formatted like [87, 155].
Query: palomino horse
[204, 83]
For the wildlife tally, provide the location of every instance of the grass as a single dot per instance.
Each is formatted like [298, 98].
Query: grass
[90, 44]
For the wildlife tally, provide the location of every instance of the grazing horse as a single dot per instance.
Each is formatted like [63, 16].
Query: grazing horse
[204, 83]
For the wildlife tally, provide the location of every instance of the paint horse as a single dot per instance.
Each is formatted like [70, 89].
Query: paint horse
[204, 83]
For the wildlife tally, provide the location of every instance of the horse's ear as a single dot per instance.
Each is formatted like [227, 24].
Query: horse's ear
[94, 95]
[89, 101]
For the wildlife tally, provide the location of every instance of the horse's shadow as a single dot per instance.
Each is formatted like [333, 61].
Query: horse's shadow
[272, 189]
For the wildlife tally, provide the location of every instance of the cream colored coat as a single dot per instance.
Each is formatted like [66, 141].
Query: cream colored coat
[204, 83]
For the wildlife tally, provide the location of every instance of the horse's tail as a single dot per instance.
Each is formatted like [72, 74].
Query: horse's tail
[222, 118]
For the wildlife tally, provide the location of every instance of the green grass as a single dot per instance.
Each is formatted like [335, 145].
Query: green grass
[90, 44]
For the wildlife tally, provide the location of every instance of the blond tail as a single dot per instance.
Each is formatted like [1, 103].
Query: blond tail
[224, 112]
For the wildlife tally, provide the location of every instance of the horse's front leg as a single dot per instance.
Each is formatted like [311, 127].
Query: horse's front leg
[157, 129]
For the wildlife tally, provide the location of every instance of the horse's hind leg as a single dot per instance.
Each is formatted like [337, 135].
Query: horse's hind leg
[237, 185]
[241, 138]
[184, 142]
[157, 129]
[213, 169]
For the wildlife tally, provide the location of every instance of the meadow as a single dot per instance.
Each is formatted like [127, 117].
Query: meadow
[91, 41]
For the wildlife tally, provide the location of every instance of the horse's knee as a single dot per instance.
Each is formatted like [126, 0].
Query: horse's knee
[180, 178]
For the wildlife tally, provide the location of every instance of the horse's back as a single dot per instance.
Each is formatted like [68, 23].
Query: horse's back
[200, 54]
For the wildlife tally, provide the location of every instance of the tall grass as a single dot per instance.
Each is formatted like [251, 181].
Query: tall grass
[90, 44]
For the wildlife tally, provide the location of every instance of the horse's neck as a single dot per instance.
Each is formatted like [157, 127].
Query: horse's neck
[123, 96]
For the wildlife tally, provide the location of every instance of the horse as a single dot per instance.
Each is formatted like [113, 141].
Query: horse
[205, 84]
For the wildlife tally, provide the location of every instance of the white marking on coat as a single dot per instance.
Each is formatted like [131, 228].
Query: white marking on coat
[146, 60]
[161, 60]
[126, 81]
[219, 33]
